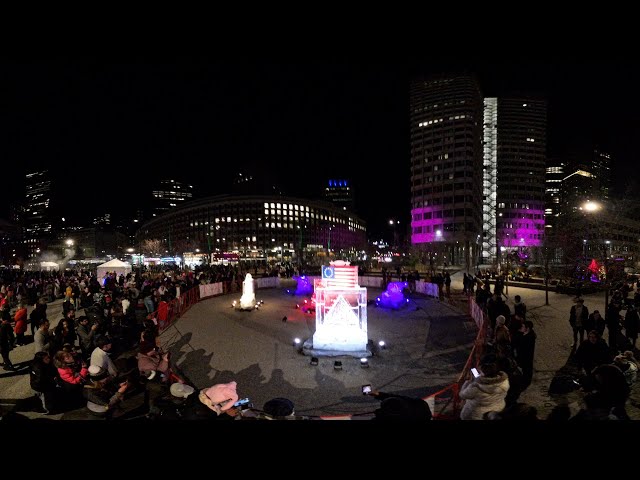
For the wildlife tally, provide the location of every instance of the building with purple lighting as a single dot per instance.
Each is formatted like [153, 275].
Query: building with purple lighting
[446, 115]
[515, 140]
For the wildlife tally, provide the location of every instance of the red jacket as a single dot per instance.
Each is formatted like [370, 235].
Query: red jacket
[68, 375]
[21, 321]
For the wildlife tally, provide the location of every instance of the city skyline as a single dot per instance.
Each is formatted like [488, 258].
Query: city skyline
[102, 127]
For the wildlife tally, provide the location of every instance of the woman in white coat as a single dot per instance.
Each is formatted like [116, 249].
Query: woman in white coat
[486, 393]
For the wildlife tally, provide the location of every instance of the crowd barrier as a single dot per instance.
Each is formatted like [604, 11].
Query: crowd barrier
[444, 404]
[427, 288]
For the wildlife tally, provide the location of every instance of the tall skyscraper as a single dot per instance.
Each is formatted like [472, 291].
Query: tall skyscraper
[446, 115]
[601, 165]
[169, 194]
[340, 193]
[37, 214]
[515, 133]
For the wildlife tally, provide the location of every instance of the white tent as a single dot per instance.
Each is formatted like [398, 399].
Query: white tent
[114, 265]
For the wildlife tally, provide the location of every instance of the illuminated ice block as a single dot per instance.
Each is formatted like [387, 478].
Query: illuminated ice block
[393, 296]
[248, 298]
[341, 310]
[305, 286]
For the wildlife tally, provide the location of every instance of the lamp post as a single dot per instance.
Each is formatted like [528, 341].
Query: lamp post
[594, 207]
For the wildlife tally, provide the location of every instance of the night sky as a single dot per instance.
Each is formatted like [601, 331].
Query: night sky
[109, 130]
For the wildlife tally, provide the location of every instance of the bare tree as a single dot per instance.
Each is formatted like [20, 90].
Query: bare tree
[151, 247]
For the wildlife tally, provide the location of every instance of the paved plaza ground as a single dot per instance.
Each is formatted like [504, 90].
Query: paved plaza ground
[428, 343]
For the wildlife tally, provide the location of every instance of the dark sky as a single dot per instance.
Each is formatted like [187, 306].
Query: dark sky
[110, 130]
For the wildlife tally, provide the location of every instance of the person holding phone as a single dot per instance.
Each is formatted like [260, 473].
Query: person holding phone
[485, 393]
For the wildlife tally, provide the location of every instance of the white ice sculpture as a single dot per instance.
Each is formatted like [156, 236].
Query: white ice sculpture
[341, 311]
[248, 298]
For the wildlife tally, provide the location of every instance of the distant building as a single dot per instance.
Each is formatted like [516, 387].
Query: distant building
[170, 194]
[102, 220]
[446, 116]
[37, 213]
[587, 177]
[515, 154]
[340, 193]
[10, 243]
[257, 228]
[99, 242]
[555, 173]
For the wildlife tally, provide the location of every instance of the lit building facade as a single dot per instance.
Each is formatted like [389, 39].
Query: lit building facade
[520, 167]
[446, 116]
[340, 193]
[268, 228]
[37, 216]
[170, 194]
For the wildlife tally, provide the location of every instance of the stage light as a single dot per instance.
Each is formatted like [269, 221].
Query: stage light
[284, 319]
[364, 363]
[382, 344]
[288, 291]
[337, 365]
[297, 305]
[257, 306]
[314, 361]
[296, 341]
[233, 304]
[378, 299]
[261, 302]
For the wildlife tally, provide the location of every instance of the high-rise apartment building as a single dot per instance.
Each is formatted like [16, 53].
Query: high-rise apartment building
[446, 115]
[515, 141]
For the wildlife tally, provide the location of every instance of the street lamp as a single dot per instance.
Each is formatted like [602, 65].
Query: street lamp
[69, 242]
[592, 207]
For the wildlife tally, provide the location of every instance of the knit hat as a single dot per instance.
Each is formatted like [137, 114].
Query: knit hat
[222, 394]
[500, 320]
[181, 390]
[97, 373]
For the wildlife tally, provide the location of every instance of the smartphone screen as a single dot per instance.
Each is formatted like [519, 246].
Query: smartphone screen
[241, 402]
[475, 372]
[366, 389]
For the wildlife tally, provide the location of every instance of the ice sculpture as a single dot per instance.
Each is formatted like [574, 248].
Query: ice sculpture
[341, 312]
[393, 296]
[305, 286]
[248, 298]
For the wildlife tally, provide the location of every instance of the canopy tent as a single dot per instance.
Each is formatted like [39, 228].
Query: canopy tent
[115, 265]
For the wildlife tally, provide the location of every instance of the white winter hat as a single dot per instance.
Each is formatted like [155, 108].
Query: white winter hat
[181, 390]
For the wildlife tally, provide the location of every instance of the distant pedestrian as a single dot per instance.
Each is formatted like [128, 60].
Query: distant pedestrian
[578, 316]
[519, 308]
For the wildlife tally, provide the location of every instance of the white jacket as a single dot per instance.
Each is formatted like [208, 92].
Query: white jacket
[483, 394]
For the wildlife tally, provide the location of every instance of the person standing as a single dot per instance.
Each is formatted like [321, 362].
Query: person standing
[7, 339]
[632, 325]
[578, 317]
[524, 351]
[21, 324]
[447, 284]
[43, 380]
[519, 308]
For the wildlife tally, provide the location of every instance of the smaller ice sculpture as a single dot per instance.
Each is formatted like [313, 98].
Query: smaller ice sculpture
[305, 285]
[393, 296]
[248, 298]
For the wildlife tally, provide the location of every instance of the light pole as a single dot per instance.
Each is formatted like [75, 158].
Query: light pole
[594, 207]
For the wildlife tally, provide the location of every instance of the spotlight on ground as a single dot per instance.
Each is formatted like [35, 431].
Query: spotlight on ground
[288, 291]
[233, 304]
[314, 361]
[257, 306]
[284, 319]
[296, 341]
[337, 365]
[297, 305]
[382, 344]
[364, 363]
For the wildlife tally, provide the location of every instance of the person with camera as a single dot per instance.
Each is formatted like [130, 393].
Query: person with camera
[486, 392]
[394, 407]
